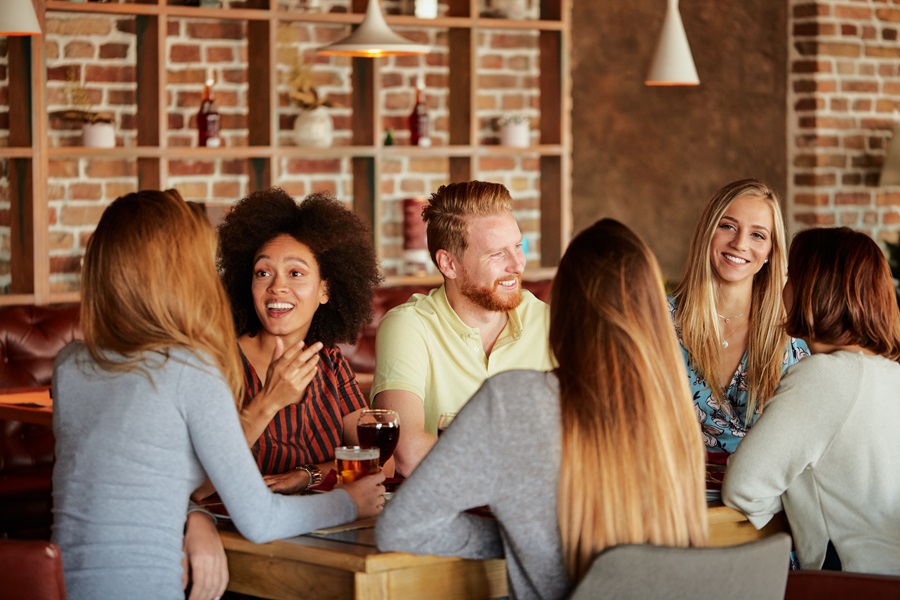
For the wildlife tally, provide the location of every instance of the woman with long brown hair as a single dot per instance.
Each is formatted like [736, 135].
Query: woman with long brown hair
[146, 407]
[728, 312]
[602, 451]
[826, 448]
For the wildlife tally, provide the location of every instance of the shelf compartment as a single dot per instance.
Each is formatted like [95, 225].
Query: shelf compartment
[79, 191]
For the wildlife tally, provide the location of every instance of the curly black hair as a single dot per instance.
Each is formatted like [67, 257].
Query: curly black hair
[340, 241]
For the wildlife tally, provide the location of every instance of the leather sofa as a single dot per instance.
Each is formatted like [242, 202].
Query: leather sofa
[30, 338]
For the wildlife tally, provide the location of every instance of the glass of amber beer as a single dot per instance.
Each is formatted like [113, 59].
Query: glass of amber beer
[354, 462]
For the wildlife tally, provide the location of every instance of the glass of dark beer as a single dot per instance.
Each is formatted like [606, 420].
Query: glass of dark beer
[379, 428]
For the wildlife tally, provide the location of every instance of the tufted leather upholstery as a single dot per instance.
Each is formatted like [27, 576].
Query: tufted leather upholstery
[30, 338]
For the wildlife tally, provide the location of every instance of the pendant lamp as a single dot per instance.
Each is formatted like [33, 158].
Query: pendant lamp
[373, 38]
[672, 63]
[17, 18]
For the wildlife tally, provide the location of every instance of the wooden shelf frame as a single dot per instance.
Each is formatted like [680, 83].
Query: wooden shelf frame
[29, 151]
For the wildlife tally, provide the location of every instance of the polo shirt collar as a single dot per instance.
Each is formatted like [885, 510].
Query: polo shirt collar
[512, 329]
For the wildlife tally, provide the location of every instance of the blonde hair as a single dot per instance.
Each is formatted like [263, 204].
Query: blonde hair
[697, 294]
[633, 466]
[149, 284]
[447, 210]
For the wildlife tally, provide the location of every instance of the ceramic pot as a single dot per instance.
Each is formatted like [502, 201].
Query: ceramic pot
[98, 135]
[314, 128]
[515, 134]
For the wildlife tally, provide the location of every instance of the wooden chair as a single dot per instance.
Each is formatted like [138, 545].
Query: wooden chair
[31, 570]
[757, 570]
[825, 585]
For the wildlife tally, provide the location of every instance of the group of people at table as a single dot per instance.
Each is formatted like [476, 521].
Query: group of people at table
[210, 364]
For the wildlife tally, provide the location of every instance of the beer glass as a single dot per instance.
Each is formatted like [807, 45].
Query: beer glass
[379, 428]
[444, 421]
[354, 462]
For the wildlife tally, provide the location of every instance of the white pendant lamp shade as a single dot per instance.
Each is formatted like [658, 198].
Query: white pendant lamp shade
[890, 172]
[17, 18]
[672, 63]
[373, 38]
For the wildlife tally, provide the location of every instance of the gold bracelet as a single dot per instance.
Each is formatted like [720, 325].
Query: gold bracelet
[315, 475]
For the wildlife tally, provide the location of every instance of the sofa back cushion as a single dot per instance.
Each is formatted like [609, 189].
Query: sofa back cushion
[30, 339]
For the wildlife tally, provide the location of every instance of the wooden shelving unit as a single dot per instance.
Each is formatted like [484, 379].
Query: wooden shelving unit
[29, 152]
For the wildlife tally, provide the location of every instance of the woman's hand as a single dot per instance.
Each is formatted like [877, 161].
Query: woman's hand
[289, 374]
[287, 483]
[204, 562]
[287, 378]
[367, 493]
[203, 492]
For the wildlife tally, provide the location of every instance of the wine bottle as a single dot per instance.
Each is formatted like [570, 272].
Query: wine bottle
[208, 117]
[418, 119]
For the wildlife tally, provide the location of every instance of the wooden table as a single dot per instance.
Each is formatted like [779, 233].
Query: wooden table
[729, 527]
[40, 412]
[39, 415]
[347, 565]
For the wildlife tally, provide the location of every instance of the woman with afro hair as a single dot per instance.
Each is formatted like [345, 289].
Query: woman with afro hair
[300, 278]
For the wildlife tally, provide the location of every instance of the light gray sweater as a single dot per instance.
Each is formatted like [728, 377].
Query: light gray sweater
[503, 451]
[827, 449]
[128, 454]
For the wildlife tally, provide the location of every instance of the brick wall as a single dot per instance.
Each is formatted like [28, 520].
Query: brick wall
[98, 52]
[843, 94]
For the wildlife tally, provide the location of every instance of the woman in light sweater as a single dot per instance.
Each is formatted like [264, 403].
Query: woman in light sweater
[826, 449]
[146, 407]
[602, 451]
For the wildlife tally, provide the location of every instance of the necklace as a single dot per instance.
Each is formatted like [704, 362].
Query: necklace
[725, 339]
[728, 319]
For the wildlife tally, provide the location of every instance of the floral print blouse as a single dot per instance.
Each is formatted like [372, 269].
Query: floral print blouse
[723, 432]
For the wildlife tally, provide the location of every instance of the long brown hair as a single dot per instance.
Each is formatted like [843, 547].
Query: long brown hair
[842, 292]
[697, 295]
[149, 284]
[632, 455]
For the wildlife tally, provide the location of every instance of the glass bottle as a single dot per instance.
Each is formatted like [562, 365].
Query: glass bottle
[208, 117]
[418, 119]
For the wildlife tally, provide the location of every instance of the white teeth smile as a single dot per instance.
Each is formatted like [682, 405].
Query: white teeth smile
[735, 259]
[279, 306]
[508, 283]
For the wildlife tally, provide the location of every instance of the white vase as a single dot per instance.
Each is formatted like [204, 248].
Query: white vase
[314, 128]
[515, 134]
[98, 135]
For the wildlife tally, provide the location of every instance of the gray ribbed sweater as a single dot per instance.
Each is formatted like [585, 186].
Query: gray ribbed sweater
[503, 450]
[129, 453]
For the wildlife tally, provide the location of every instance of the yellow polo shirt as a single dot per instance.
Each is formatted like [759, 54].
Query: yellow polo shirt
[423, 347]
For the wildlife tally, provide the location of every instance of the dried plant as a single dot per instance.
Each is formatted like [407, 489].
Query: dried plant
[302, 86]
[78, 97]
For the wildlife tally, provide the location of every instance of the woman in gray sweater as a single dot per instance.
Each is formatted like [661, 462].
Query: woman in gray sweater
[602, 451]
[145, 409]
[826, 450]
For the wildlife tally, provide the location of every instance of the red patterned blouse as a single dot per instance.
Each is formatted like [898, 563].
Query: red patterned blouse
[308, 432]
